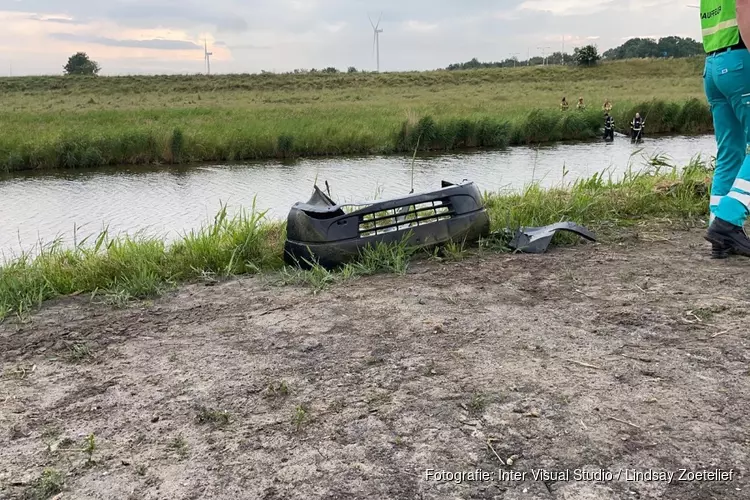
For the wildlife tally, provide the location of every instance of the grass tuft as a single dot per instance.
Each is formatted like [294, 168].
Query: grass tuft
[49, 484]
[217, 418]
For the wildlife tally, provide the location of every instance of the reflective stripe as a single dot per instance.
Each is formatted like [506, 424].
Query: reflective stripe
[715, 200]
[719, 27]
[742, 185]
[730, 23]
[741, 197]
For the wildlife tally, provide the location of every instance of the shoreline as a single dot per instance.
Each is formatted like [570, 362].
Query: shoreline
[291, 160]
[436, 153]
[121, 269]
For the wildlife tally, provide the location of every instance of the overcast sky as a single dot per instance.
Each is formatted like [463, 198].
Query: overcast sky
[166, 36]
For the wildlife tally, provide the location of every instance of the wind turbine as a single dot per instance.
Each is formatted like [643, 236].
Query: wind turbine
[563, 50]
[376, 39]
[544, 57]
[207, 56]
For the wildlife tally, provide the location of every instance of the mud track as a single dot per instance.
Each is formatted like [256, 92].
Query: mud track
[614, 357]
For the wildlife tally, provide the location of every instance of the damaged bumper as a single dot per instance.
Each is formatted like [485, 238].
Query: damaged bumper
[332, 234]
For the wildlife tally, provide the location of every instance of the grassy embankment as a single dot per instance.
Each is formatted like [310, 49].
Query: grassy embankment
[120, 269]
[66, 122]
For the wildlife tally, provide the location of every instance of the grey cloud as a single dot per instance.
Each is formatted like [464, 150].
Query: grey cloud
[231, 25]
[234, 16]
[249, 46]
[59, 20]
[226, 16]
[241, 46]
[142, 44]
[142, 13]
[75, 9]
[395, 11]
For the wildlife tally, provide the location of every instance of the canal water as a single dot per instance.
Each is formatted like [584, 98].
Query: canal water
[39, 207]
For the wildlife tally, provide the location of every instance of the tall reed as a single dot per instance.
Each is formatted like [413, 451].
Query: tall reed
[168, 145]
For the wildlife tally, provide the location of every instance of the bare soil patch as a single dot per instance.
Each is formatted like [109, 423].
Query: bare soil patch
[607, 357]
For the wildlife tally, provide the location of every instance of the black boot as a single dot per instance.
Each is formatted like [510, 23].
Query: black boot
[720, 251]
[727, 238]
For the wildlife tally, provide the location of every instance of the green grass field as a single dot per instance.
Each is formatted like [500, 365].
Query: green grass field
[117, 270]
[68, 122]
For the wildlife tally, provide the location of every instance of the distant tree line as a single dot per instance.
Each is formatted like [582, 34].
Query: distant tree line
[330, 69]
[584, 56]
[670, 46]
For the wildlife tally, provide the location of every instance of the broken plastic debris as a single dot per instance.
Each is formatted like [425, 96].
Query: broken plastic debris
[537, 239]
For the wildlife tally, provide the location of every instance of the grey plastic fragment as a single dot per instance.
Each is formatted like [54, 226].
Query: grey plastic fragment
[537, 239]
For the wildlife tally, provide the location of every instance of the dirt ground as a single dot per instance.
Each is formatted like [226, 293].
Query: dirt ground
[600, 361]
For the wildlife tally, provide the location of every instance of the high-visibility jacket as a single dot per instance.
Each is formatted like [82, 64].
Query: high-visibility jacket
[719, 24]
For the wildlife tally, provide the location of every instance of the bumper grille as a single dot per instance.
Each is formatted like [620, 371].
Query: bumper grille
[405, 217]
